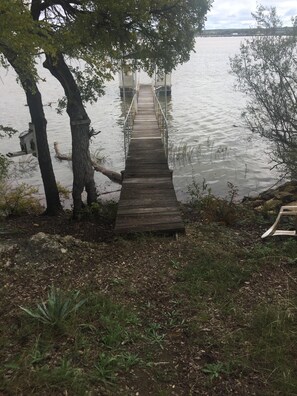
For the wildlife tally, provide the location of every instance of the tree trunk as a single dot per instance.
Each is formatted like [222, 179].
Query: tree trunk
[112, 175]
[34, 101]
[49, 181]
[83, 172]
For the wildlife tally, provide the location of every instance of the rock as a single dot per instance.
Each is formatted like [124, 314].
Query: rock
[267, 195]
[259, 209]
[249, 199]
[272, 204]
[255, 203]
[69, 241]
[272, 199]
[288, 188]
[44, 242]
[285, 196]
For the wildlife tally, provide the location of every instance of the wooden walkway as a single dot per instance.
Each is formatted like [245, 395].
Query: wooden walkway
[147, 202]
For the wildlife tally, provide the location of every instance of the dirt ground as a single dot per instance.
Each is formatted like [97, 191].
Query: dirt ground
[148, 275]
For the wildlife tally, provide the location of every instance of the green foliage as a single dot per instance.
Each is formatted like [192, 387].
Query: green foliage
[102, 211]
[154, 335]
[90, 84]
[36, 354]
[265, 70]
[161, 32]
[21, 38]
[62, 376]
[212, 208]
[140, 34]
[213, 276]
[92, 350]
[18, 200]
[58, 307]
[108, 366]
[270, 340]
[214, 370]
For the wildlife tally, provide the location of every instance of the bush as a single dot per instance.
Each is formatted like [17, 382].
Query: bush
[18, 200]
[212, 208]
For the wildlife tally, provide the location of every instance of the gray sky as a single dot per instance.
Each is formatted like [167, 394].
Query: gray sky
[237, 13]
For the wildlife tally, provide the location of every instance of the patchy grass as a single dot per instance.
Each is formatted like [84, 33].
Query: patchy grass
[88, 351]
[211, 313]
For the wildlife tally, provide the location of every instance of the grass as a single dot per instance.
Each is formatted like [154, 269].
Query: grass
[215, 278]
[211, 313]
[272, 336]
[87, 351]
[263, 337]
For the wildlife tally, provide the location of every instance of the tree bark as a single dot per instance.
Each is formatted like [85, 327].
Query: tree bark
[34, 101]
[83, 172]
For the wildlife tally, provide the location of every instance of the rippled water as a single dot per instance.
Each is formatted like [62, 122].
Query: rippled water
[206, 137]
[206, 116]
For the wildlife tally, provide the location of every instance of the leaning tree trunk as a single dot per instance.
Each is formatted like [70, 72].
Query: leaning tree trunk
[34, 101]
[83, 172]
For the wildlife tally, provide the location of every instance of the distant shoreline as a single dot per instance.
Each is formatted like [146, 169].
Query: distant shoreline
[284, 31]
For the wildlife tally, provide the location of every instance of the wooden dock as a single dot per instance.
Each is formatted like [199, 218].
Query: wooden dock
[147, 202]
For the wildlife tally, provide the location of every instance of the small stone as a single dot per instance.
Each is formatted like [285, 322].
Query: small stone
[7, 264]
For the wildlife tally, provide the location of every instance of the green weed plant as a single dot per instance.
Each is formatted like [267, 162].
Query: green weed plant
[57, 308]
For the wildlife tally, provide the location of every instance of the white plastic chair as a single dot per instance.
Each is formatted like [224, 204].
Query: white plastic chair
[287, 210]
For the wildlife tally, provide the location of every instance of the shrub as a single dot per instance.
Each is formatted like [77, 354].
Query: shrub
[212, 208]
[18, 200]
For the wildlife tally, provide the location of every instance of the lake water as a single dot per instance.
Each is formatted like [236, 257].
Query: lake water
[207, 139]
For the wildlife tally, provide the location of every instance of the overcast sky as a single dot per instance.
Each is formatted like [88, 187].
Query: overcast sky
[237, 13]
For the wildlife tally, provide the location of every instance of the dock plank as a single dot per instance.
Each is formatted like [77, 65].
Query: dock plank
[148, 201]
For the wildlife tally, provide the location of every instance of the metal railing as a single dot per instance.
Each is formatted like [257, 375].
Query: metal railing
[162, 121]
[128, 123]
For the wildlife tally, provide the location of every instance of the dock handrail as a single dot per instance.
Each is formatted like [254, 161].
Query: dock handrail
[128, 122]
[162, 121]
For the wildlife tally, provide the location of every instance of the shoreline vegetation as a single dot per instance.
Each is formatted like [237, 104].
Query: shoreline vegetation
[212, 312]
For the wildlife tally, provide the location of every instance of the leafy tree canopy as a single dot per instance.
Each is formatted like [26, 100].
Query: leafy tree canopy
[21, 37]
[103, 33]
[148, 32]
[140, 33]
